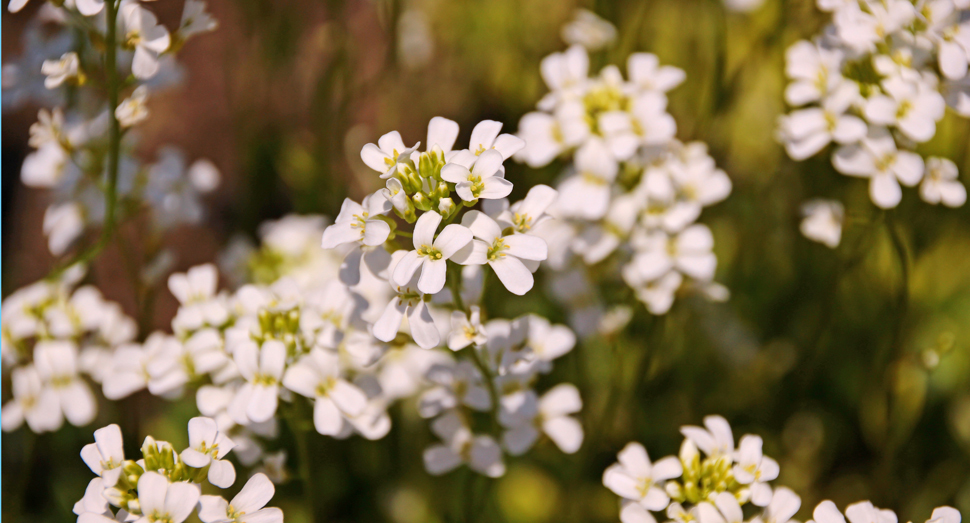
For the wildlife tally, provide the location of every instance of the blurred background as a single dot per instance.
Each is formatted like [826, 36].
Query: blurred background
[853, 364]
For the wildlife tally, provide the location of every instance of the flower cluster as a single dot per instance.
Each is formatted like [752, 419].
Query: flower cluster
[865, 512]
[633, 193]
[54, 335]
[712, 487]
[875, 85]
[84, 150]
[165, 485]
[507, 359]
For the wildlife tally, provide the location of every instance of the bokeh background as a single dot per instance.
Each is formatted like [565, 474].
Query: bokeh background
[853, 364]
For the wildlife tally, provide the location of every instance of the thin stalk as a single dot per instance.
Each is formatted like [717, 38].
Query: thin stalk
[488, 378]
[454, 284]
[902, 300]
[295, 420]
[114, 145]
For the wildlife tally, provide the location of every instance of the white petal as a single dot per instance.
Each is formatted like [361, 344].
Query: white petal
[388, 325]
[566, 432]
[885, 191]
[513, 274]
[433, 275]
[326, 417]
[213, 509]
[221, 473]
[255, 495]
[439, 459]
[526, 247]
[452, 238]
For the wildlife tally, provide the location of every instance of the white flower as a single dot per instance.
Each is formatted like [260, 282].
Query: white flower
[716, 440]
[861, 30]
[504, 253]
[197, 285]
[809, 130]
[637, 479]
[552, 416]
[945, 515]
[526, 214]
[755, 469]
[385, 156]
[359, 223]
[245, 507]
[912, 107]
[647, 74]
[163, 501]
[485, 137]
[134, 109]
[784, 504]
[481, 453]
[587, 193]
[743, 6]
[886, 167]
[647, 123]
[32, 401]
[477, 177]
[814, 70]
[93, 505]
[59, 71]
[56, 363]
[44, 167]
[207, 448]
[408, 299]
[454, 385]
[633, 512]
[430, 254]
[688, 252]
[941, 184]
[724, 508]
[548, 342]
[148, 38]
[822, 221]
[588, 30]
[195, 19]
[318, 376]
[547, 136]
[105, 457]
[466, 330]
[63, 224]
[566, 75]
[262, 367]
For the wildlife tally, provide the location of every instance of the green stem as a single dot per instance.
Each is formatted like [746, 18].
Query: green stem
[114, 145]
[488, 378]
[295, 419]
[454, 284]
[902, 301]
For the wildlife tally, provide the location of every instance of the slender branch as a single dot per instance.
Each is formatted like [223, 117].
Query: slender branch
[488, 378]
[902, 300]
[114, 145]
[296, 417]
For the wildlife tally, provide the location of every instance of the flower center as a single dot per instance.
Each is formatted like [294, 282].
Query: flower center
[430, 251]
[497, 249]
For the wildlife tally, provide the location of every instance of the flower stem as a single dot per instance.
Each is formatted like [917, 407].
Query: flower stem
[295, 419]
[488, 378]
[114, 145]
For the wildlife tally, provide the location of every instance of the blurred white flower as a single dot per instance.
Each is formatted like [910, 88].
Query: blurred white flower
[134, 109]
[588, 30]
[247, 506]
[822, 221]
[941, 184]
[60, 71]
[142, 33]
[635, 478]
